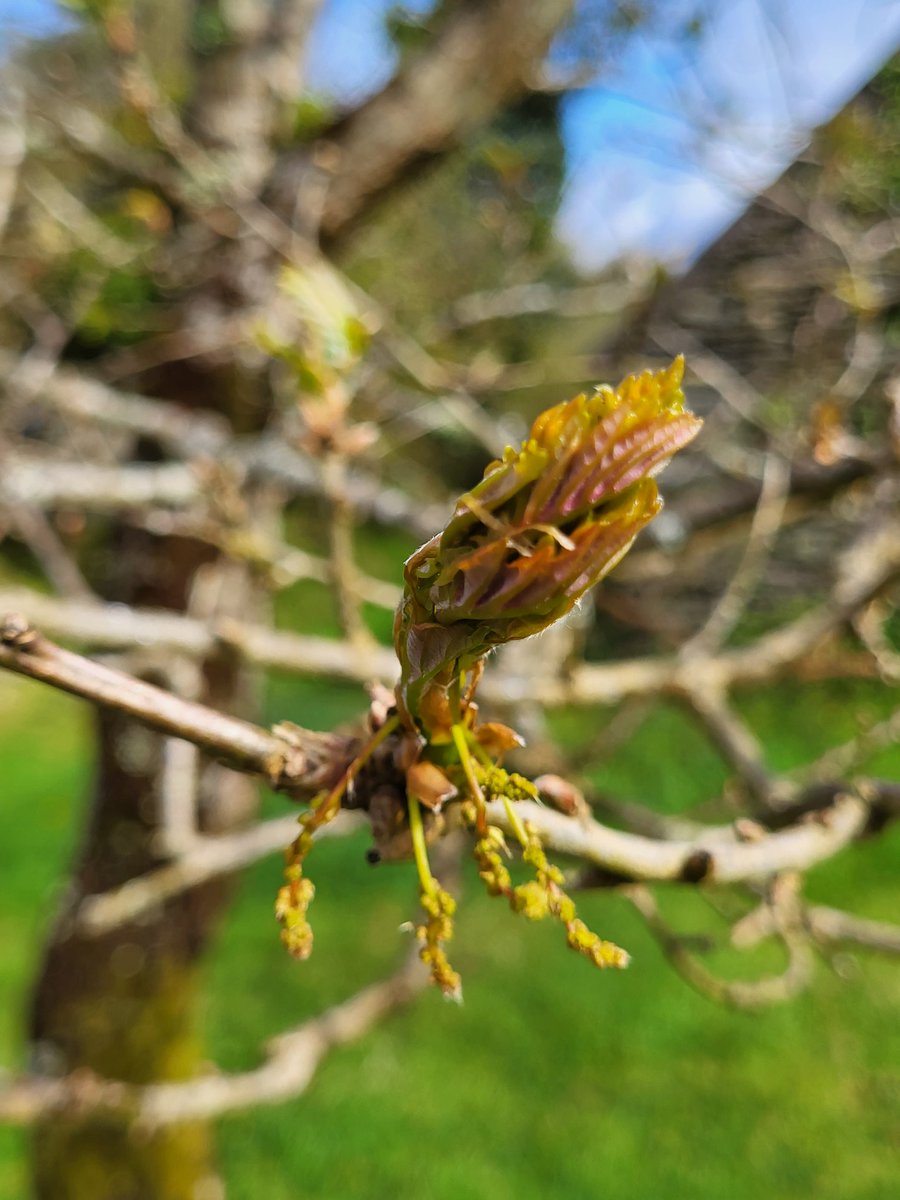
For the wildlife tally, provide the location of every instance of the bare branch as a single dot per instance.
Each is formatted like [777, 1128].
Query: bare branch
[180, 430]
[763, 530]
[716, 856]
[865, 570]
[281, 563]
[714, 371]
[833, 927]
[58, 565]
[291, 1063]
[98, 488]
[527, 299]
[117, 627]
[270, 458]
[310, 760]
[735, 741]
[12, 143]
[867, 567]
[870, 626]
[481, 58]
[305, 766]
[207, 859]
[85, 229]
[757, 993]
[180, 485]
[344, 575]
[837, 761]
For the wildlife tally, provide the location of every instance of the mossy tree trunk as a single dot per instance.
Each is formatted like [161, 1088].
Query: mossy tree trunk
[124, 1005]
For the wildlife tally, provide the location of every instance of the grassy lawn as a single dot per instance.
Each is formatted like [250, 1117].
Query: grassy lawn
[552, 1080]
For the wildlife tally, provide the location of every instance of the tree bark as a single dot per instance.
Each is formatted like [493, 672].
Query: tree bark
[124, 1005]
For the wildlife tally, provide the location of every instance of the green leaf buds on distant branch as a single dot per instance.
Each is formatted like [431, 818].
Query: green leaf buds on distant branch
[545, 523]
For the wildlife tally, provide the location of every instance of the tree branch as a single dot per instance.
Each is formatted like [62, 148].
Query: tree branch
[865, 569]
[117, 627]
[181, 431]
[480, 59]
[99, 488]
[756, 993]
[291, 1063]
[208, 859]
[304, 764]
[715, 856]
[293, 759]
[833, 927]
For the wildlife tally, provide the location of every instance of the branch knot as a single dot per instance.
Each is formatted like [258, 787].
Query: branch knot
[18, 632]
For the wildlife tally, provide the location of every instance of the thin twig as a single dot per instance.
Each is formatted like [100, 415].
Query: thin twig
[117, 627]
[869, 567]
[831, 926]
[764, 528]
[302, 766]
[735, 741]
[869, 624]
[838, 761]
[343, 575]
[208, 858]
[757, 993]
[290, 1065]
[59, 566]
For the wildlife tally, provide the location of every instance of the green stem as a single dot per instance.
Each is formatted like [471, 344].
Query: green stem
[420, 850]
[485, 759]
[515, 821]
[458, 733]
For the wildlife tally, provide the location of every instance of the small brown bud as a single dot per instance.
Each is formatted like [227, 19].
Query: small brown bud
[563, 795]
[749, 830]
[17, 631]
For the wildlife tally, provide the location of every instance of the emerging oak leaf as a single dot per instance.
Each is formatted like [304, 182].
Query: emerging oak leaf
[545, 523]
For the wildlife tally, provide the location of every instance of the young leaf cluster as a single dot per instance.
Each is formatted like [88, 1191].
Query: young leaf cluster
[546, 522]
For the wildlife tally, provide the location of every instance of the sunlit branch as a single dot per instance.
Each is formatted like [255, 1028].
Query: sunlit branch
[303, 765]
[209, 858]
[116, 627]
[833, 927]
[714, 856]
[867, 568]
[757, 993]
[290, 1064]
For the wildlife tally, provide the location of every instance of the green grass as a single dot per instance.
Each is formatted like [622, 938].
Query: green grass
[43, 781]
[552, 1080]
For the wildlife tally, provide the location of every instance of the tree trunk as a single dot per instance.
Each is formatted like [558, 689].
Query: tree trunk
[123, 1005]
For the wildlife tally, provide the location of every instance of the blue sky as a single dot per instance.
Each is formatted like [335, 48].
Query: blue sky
[667, 151]
[665, 148]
